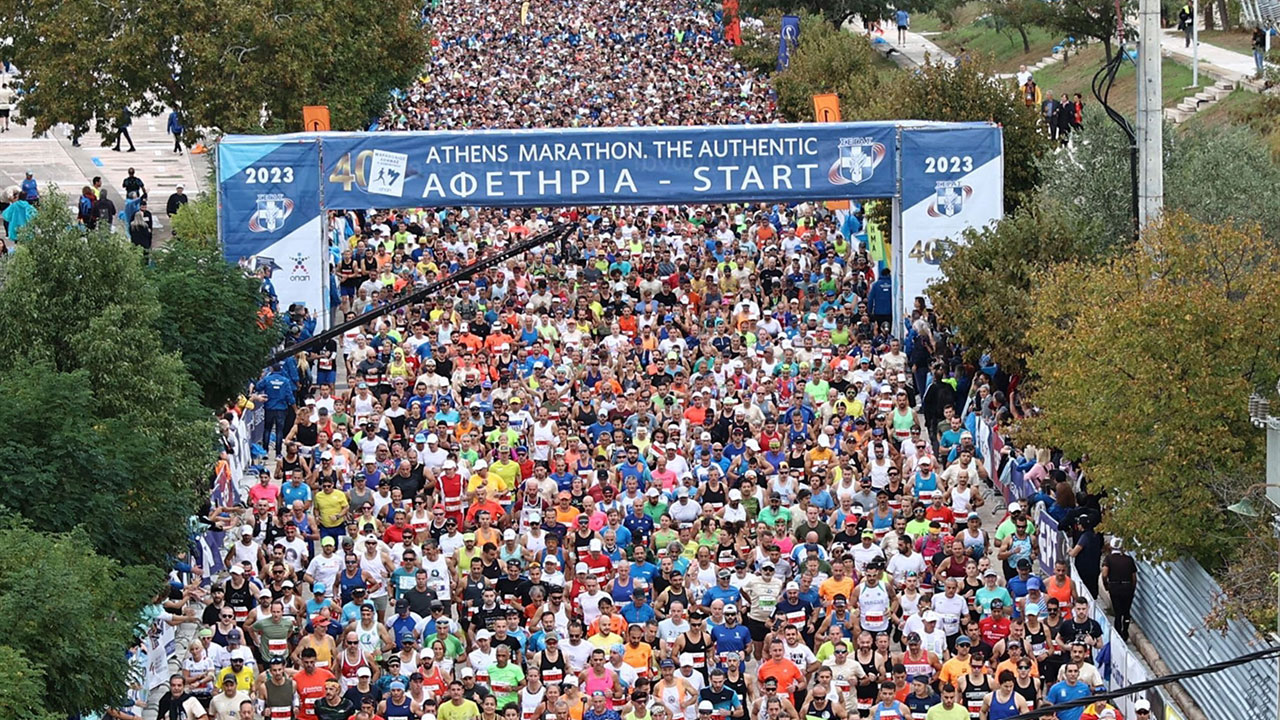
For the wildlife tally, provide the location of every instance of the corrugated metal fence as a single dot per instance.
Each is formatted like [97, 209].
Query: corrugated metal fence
[1170, 607]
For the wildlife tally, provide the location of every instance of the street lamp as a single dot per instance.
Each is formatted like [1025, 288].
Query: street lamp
[1246, 508]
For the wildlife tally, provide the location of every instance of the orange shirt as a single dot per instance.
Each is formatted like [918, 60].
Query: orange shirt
[1012, 667]
[617, 625]
[640, 658]
[310, 688]
[1060, 592]
[785, 672]
[953, 669]
[696, 416]
[832, 587]
[569, 517]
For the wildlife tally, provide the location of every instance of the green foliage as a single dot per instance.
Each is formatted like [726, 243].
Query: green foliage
[22, 692]
[1144, 365]
[68, 617]
[1019, 16]
[828, 60]
[1087, 19]
[121, 442]
[1224, 175]
[966, 92]
[207, 300]
[235, 56]
[197, 221]
[985, 294]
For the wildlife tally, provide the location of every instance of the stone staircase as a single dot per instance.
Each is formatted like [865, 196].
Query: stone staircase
[1201, 100]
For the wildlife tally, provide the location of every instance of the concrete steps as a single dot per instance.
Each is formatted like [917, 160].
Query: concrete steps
[1201, 100]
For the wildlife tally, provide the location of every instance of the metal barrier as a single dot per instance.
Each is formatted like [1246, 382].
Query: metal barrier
[1171, 604]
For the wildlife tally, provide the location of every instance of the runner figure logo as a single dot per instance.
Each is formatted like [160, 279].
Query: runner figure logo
[272, 211]
[858, 160]
[386, 173]
[948, 198]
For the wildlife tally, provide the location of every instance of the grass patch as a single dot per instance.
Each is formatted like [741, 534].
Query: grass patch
[1076, 77]
[1236, 40]
[1242, 107]
[971, 28]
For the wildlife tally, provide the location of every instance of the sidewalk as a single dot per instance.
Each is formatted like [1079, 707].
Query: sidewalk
[1219, 63]
[54, 161]
[909, 54]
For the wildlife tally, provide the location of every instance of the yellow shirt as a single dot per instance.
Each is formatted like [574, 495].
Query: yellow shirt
[466, 711]
[491, 482]
[605, 640]
[331, 508]
[244, 679]
[508, 470]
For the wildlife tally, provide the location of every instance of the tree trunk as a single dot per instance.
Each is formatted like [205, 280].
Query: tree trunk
[1208, 16]
[1026, 44]
[1227, 23]
[1106, 47]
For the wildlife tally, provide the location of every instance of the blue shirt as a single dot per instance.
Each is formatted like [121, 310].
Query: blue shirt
[731, 639]
[289, 493]
[730, 595]
[902, 17]
[29, 187]
[642, 614]
[1061, 692]
[646, 570]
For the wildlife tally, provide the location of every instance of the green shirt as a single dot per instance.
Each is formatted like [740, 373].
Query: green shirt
[655, 512]
[770, 517]
[1006, 529]
[957, 712]
[271, 630]
[505, 682]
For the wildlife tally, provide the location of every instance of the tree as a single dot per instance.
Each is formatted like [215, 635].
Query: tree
[985, 295]
[122, 440]
[236, 65]
[197, 221]
[1143, 368]
[1082, 213]
[206, 301]
[68, 615]
[1020, 15]
[837, 12]
[1086, 19]
[826, 61]
[22, 692]
[966, 92]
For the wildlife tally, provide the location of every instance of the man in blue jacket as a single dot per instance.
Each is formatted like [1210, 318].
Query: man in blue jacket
[279, 389]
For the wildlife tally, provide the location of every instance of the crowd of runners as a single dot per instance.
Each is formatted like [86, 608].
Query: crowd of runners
[686, 471]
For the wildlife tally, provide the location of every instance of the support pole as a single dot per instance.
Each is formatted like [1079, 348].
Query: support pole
[1150, 120]
[1195, 44]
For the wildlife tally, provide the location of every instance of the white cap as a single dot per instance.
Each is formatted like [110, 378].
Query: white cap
[653, 492]
[581, 568]
[479, 464]
[508, 534]
[449, 464]
[1015, 506]
[792, 586]
[594, 546]
[706, 706]
[1141, 704]
[824, 441]
[246, 530]
[433, 438]
[326, 455]
[929, 616]
[364, 671]
[236, 570]
[484, 635]
[1107, 713]
[735, 494]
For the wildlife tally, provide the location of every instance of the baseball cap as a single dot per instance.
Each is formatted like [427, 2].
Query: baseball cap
[1141, 704]
[364, 671]
[328, 540]
[929, 616]
[735, 494]
[484, 635]
[594, 545]
[1015, 506]
[964, 640]
[792, 586]
[730, 609]
[706, 706]
[666, 663]
[510, 534]
[581, 567]
[397, 685]
[1033, 583]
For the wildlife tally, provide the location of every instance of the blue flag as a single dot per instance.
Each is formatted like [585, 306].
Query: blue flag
[787, 38]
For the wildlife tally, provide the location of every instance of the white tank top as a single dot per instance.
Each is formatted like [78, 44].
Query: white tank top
[910, 604]
[960, 501]
[370, 642]
[437, 575]
[671, 697]
[873, 606]
[529, 702]
[880, 475]
[374, 567]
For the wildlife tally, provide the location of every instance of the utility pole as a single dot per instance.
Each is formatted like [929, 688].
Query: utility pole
[1195, 43]
[1150, 117]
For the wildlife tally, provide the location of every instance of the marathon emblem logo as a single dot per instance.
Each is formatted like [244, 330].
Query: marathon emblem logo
[386, 173]
[272, 211]
[859, 158]
[948, 198]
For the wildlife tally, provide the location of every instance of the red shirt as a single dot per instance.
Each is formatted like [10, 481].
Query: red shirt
[994, 630]
[310, 688]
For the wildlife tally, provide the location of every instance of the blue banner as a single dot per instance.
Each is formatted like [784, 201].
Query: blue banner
[610, 166]
[788, 36]
[269, 215]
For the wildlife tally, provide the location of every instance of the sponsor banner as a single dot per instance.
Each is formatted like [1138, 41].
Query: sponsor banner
[609, 166]
[269, 215]
[1053, 545]
[788, 38]
[951, 181]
